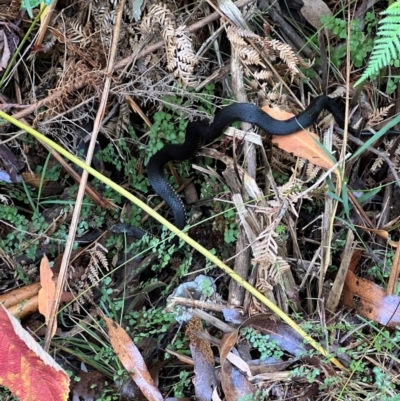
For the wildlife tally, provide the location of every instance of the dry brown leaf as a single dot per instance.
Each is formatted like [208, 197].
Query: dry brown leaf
[9, 172]
[285, 337]
[382, 233]
[234, 383]
[5, 57]
[313, 10]
[47, 187]
[48, 290]
[302, 143]
[34, 180]
[205, 381]
[132, 360]
[370, 300]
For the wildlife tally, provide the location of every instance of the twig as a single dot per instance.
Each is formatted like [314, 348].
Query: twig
[45, 23]
[243, 252]
[30, 109]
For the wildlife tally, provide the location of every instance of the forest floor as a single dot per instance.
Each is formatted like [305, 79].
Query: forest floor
[309, 222]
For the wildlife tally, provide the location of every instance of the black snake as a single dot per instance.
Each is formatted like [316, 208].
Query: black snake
[201, 133]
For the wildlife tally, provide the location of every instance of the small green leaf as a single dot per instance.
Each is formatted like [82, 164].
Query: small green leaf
[345, 197]
[28, 5]
[334, 196]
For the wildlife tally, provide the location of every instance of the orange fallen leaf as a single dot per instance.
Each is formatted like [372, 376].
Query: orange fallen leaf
[382, 233]
[48, 187]
[302, 143]
[370, 300]
[48, 290]
[34, 180]
[132, 360]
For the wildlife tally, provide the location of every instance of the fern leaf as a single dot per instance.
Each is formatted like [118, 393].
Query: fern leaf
[387, 43]
[394, 9]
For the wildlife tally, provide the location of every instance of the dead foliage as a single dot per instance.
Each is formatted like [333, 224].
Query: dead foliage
[282, 206]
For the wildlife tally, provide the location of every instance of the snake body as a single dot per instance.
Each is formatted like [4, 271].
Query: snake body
[201, 133]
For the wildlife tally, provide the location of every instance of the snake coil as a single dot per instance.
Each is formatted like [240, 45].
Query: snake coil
[201, 133]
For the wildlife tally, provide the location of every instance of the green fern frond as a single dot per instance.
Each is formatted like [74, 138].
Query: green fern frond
[387, 44]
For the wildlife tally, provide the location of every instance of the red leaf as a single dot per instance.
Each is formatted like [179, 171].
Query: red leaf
[25, 369]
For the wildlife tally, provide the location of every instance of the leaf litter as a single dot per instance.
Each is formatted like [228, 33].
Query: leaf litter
[164, 53]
